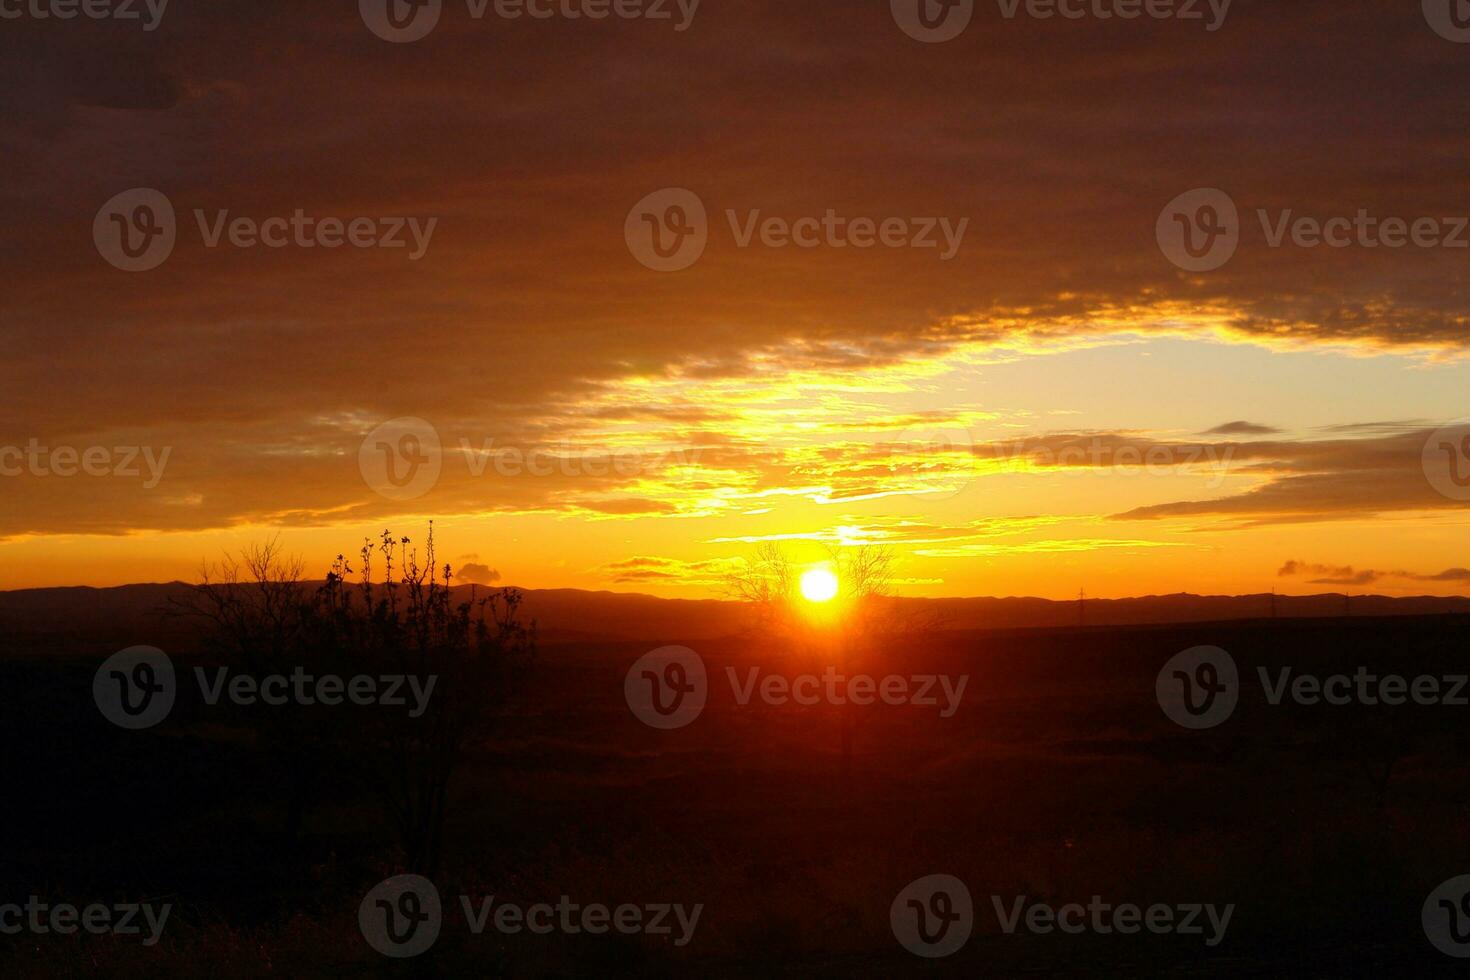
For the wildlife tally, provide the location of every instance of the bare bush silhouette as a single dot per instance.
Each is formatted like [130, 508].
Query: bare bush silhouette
[263, 618]
[865, 606]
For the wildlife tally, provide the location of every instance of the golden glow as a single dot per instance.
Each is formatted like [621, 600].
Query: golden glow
[955, 456]
[819, 585]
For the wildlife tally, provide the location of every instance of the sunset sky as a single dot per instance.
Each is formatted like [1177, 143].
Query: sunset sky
[987, 414]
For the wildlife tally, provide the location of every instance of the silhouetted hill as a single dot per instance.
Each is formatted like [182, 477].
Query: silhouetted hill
[571, 615]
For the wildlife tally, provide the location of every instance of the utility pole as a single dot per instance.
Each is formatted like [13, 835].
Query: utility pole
[1081, 607]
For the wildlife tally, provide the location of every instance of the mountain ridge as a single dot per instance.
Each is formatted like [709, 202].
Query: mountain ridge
[577, 614]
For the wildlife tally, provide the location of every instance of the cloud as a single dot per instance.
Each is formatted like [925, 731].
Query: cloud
[711, 572]
[476, 573]
[528, 319]
[1052, 546]
[1303, 481]
[1348, 575]
[1330, 575]
[1241, 429]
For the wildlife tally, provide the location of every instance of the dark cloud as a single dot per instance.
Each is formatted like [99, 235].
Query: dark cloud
[1241, 429]
[1347, 575]
[530, 140]
[1315, 480]
[477, 574]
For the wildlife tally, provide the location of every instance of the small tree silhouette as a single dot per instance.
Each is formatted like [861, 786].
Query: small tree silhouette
[252, 607]
[767, 583]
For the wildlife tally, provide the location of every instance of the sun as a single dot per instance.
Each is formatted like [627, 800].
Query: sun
[819, 585]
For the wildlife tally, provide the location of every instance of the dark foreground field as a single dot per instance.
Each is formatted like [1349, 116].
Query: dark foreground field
[1058, 778]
